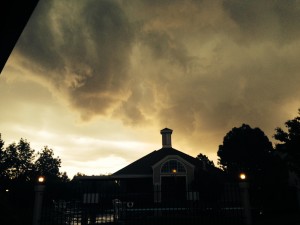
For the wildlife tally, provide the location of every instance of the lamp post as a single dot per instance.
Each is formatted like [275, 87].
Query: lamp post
[39, 191]
[244, 185]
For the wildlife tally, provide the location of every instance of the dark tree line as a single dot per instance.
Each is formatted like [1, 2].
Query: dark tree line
[20, 166]
[268, 168]
[19, 162]
[249, 150]
[289, 143]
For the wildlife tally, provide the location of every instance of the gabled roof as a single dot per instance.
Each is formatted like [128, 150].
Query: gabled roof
[143, 166]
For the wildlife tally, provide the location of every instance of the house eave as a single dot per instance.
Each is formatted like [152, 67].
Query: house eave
[113, 177]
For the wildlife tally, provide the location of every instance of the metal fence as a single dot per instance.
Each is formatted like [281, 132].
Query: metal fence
[104, 202]
[108, 202]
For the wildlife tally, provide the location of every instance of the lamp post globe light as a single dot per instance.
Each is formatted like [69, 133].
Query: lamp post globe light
[243, 176]
[41, 179]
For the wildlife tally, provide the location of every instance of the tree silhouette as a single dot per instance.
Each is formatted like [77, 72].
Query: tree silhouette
[245, 149]
[2, 163]
[64, 177]
[19, 168]
[249, 150]
[18, 160]
[46, 164]
[289, 145]
[203, 158]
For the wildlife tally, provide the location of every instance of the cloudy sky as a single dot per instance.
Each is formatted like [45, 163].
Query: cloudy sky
[96, 80]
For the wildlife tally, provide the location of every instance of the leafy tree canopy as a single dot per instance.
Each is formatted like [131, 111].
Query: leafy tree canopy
[289, 143]
[18, 161]
[79, 174]
[245, 149]
[2, 166]
[46, 164]
[203, 158]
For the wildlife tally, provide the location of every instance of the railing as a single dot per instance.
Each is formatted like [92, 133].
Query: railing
[107, 202]
[97, 205]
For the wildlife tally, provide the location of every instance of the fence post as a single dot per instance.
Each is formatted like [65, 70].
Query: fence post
[37, 208]
[244, 185]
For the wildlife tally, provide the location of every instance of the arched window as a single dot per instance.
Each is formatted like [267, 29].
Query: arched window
[173, 166]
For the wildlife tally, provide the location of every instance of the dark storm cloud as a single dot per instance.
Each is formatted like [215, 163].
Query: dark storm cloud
[196, 66]
[218, 64]
[276, 20]
[82, 49]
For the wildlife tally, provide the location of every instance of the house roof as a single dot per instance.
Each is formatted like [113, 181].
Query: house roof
[143, 166]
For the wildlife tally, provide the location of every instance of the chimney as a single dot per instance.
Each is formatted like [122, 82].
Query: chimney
[166, 137]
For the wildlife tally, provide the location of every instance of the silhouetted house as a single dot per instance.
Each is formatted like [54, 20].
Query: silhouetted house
[165, 174]
[166, 170]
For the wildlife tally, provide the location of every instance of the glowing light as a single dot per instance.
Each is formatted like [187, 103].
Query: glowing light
[7, 190]
[243, 176]
[41, 179]
[174, 170]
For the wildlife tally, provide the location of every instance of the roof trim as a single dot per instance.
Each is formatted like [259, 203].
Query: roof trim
[169, 157]
[112, 177]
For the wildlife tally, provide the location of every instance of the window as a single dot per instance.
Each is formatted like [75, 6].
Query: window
[173, 166]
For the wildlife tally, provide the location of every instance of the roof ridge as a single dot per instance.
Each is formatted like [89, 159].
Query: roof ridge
[144, 164]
